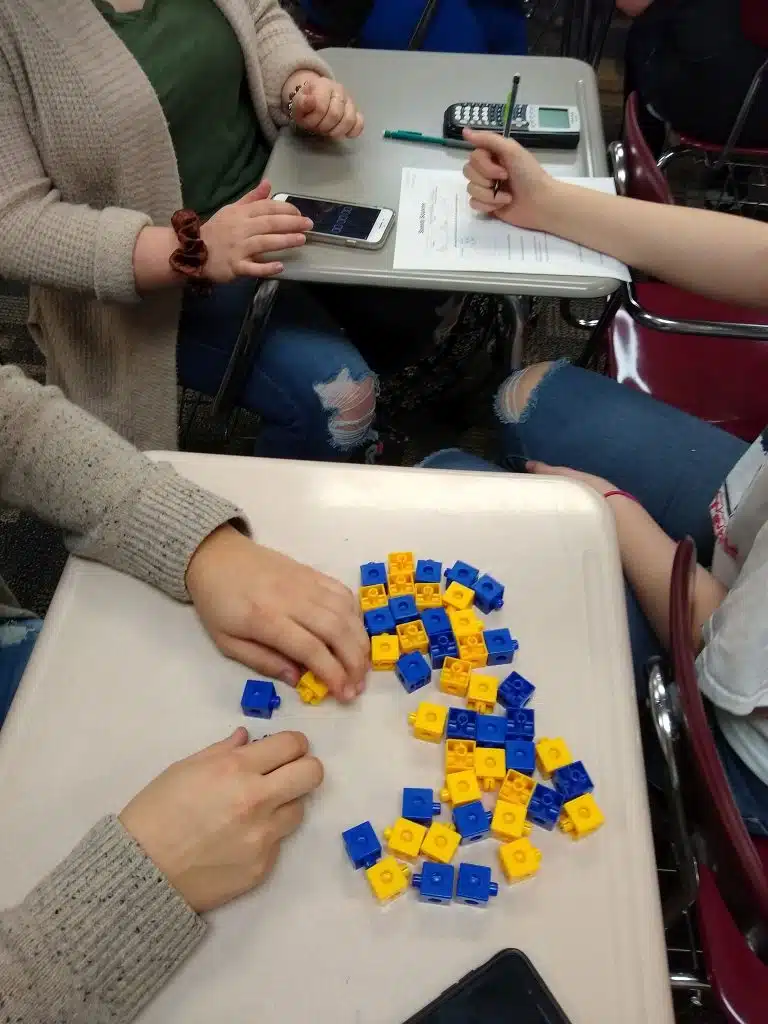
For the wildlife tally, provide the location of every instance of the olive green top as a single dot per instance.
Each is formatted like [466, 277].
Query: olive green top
[193, 60]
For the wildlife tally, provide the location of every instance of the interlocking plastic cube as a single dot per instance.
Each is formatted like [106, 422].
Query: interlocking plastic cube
[400, 561]
[489, 594]
[460, 788]
[464, 622]
[581, 817]
[419, 805]
[454, 677]
[440, 648]
[412, 637]
[551, 755]
[428, 721]
[435, 883]
[462, 723]
[401, 583]
[521, 724]
[379, 620]
[515, 691]
[436, 622]
[490, 766]
[373, 573]
[388, 879]
[259, 699]
[428, 596]
[373, 597]
[428, 571]
[572, 780]
[472, 649]
[474, 885]
[461, 572]
[458, 596]
[310, 689]
[459, 756]
[544, 807]
[519, 860]
[491, 730]
[440, 843]
[509, 821]
[501, 646]
[385, 650]
[362, 846]
[413, 671]
[404, 838]
[521, 756]
[472, 821]
[481, 694]
[403, 609]
[516, 788]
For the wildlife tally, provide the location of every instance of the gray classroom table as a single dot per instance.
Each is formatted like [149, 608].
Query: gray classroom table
[404, 89]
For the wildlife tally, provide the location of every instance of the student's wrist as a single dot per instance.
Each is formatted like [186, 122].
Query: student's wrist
[556, 207]
[293, 83]
[151, 259]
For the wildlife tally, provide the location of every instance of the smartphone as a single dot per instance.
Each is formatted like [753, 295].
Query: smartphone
[363, 227]
[506, 990]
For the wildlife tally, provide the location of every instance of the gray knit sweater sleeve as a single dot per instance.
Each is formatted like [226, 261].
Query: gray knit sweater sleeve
[117, 506]
[96, 939]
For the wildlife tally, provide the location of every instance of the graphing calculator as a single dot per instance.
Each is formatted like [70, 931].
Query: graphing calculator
[533, 124]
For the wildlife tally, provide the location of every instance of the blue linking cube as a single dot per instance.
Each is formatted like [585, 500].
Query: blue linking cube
[544, 807]
[403, 609]
[428, 571]
[413, 671]
[489, 594]
[462, 724]
[363, 847]
[259, 699]
[472, 821]
[572, 780]
[419, 805]
[520, 724]
[515, 691]
[491, 730]
[440, 648]
[521, 755]
[461, 572]
[501, 646]
[434, 882]
[436, 622]
[372, 574]
[474, 885]
[379, 620]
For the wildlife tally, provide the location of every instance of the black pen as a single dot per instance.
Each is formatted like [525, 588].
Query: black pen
[509, 118]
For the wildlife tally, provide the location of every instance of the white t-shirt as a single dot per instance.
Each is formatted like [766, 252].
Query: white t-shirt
[733, 666]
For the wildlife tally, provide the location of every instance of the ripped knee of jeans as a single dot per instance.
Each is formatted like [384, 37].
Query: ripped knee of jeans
[351, 405]
[516, 398]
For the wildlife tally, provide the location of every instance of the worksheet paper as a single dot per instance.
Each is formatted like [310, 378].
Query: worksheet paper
[437, 230]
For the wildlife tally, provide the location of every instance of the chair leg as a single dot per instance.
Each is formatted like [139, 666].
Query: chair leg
[589, 353]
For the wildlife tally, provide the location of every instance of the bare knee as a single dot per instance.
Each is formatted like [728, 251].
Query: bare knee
[515, 393]
[351, 405]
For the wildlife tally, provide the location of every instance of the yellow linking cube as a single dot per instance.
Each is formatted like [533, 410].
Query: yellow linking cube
[460, 788]
[400, 584]
[428, 721]
[428, 596]
[310, 689]
[373, 597]
[400, 561]
[454, 677]
[581, 817]
[413, 637]
[385, 650]
[516, 788]
[464, 622]
[441, 843]
[481, 693]
[388, 879]
[509, 821]
[551, 755]
[472, 649]
[458, 596]
[490, 766]
[459, 756]
[519, 860]
[405, 837]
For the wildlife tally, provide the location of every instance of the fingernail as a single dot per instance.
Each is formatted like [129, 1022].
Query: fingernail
[349, 692]
[289, 676]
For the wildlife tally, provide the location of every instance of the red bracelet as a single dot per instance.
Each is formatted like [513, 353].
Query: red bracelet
[621, 494]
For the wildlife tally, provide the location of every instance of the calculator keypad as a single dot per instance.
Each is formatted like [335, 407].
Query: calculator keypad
[485, 115]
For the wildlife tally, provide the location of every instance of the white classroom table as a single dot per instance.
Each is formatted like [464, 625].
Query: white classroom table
[124, 681]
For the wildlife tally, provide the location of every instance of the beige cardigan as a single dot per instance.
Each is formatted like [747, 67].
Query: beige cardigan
[86, 161]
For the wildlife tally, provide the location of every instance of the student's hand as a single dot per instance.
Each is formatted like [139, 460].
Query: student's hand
[213, 823]
[324, 107]
[242, 236]
[597, 483]
[277, 616]
[525, 190]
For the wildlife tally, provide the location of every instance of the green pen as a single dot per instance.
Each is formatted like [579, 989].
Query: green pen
[428, 140]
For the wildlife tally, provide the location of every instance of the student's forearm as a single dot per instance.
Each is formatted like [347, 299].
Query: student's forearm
[151, 256]
[714, 254]
[647, 554]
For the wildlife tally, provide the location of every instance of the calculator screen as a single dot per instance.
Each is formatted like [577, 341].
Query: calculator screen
[553, 117]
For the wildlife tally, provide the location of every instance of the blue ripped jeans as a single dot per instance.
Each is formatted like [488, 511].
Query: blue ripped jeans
[17, 640]
[672, 463]
[312, 388]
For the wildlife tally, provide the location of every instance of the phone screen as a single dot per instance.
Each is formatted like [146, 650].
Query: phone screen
[340, 219]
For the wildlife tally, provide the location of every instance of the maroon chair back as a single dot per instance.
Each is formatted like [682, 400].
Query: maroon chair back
[754, 22]
[731, 851]
[644, 179]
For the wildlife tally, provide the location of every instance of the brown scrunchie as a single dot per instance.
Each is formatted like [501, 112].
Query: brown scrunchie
[191, 257]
